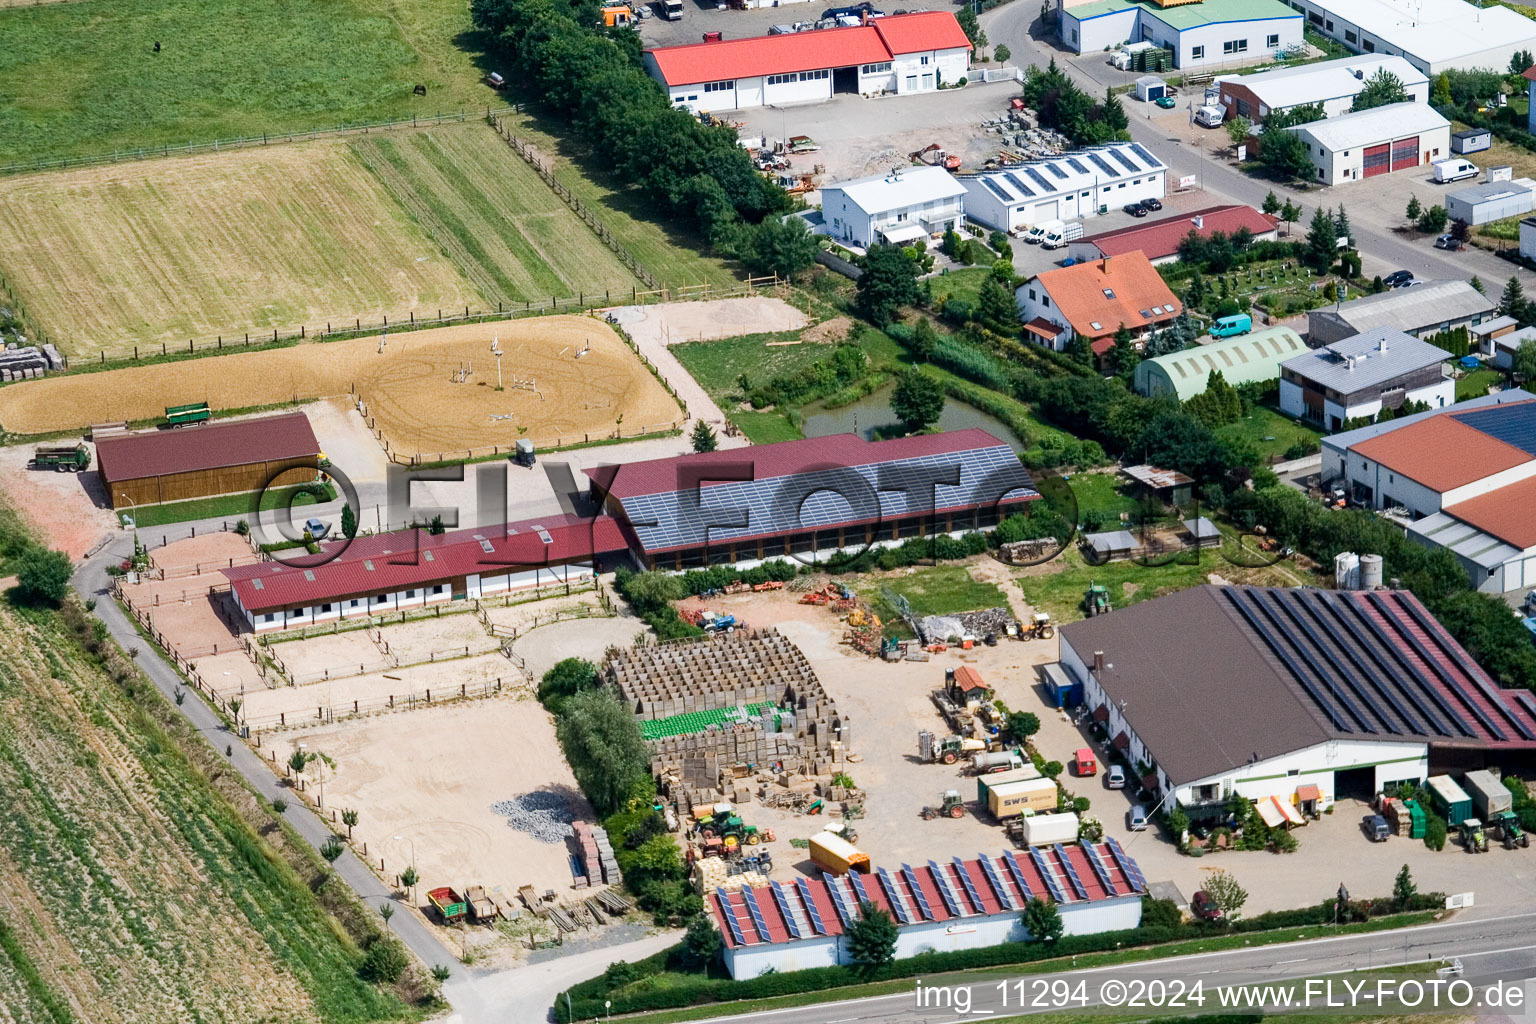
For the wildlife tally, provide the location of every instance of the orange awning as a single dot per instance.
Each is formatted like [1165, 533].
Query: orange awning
[1308, 792]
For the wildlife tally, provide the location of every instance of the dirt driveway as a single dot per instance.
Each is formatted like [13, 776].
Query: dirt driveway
[66, 509]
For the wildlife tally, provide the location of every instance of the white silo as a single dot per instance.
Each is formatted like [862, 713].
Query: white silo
[1346, 571]
[1370, 572]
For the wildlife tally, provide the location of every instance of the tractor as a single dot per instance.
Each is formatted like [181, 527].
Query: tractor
[1473, 836]
[1508, 824]
[729, 826]
[951, 806]
[1096, 600]
[1040, 627]
[945, 749]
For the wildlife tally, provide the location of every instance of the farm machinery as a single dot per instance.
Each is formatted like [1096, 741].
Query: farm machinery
[944, 749]
[1096, 600]
[951, 805]
[62, 458]
[1473, 837]
[448, 903]
[1508, 825]
[1039, 627]
[188, 414]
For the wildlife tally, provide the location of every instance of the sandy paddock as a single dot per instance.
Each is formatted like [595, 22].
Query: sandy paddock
[542, 648]
[524, 615]
[408, 388]
[673, 323]
[231, 675]
[315, 702]
[208, 549]
[339, 654]
[65, 508]
[431, 777]
[411, 642]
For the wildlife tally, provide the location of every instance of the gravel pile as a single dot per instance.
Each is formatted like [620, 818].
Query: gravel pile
[544, 816]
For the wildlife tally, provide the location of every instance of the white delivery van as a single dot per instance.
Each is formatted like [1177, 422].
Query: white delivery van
[1455, 169]
[1210, 116]
[1055, 237]
[1037, 233]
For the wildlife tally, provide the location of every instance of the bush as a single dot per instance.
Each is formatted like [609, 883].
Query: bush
[384, 963]
[42, 576]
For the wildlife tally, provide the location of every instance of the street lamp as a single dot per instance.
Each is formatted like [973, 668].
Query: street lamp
[135, 506]
[413, 847]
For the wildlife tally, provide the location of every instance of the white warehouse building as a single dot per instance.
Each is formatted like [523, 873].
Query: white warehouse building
[1333, 83]
[1202, 34]
[1399, 136]
[896, 208]
[1066, 187]
[1288, 697]
[900, 54]
[1432, 35]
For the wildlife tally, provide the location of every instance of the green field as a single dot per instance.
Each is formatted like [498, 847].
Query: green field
[942, 590]
[716, 365]
[1100, 492]
[492, 214]
[1476, 383]
[227, 506]
[1271, 432]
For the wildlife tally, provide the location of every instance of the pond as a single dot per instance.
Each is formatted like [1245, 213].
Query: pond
[873, 411]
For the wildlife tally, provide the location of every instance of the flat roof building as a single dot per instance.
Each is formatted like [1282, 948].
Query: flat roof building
[1432, 35]
[1493, 200]
[1159, 240]
[232, 457]
[1427, 307]
[811, 497]
[1065, 187]
[1243, 359]
[1358, 377]
[906, 53]
[1208, 34]
[1333, 83]
[897, 208]
[1365, 143]
[1271, 689]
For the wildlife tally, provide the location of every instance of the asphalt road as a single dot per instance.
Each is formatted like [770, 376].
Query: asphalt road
[1372, 216]
[1493, 948]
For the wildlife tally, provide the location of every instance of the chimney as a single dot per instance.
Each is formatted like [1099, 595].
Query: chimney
[1103, 264]
[1381, 346]
[1098, 662]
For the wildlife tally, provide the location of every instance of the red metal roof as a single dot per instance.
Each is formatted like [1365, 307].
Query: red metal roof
[809, 51]
[1504, 513]
[411, 558]
[210, 446]
[785, 458]
[733, 906]
[968, 679]
[1442, 453]
[1161, 238]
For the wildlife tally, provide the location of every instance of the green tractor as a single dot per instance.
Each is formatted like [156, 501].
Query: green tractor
[1096, 600]
[951, 805]
[1508, 824]
[729, 827]
[1473, 836]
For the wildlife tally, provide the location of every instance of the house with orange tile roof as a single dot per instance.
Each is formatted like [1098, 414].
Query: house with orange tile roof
[901, 54]
[1097, 298]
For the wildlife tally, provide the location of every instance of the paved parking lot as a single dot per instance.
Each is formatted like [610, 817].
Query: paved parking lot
[699, 17]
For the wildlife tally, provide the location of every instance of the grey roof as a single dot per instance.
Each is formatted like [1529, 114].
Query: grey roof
[1365, 360]
[1112, 540]
[1213, 677]
[1350, 438]
[1498, 323]
[1069, 172]
[1479, 548]
[1409, 309]
[1201, 528]
[1280, 88]
[1378, 124]
[1488, 190]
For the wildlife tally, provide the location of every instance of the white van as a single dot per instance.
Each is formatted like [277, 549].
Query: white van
[1038, 232]
[1447, 171]
[1210, 116]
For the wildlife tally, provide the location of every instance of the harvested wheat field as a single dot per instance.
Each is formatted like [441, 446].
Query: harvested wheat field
[409, 388]
[107, 258]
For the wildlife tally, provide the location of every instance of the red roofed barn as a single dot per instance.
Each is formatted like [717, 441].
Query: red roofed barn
[901, 54]
[217, 458]
[1159, 240]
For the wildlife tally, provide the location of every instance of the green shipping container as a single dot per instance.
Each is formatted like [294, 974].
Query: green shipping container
[1450, 799]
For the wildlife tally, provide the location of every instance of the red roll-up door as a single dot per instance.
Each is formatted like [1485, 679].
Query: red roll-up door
[1405, 153]
[1378, 160]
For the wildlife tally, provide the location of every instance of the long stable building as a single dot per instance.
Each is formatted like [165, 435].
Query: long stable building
[818, 495]
[1293, 695]
[388, 572]
[216, 458]
[964, 904]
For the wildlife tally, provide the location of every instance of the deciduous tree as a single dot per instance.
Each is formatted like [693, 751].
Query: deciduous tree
[1228, 894]
[1381, 88]
[917, 400]
[602, 744]
[889, 282]
[42, 576]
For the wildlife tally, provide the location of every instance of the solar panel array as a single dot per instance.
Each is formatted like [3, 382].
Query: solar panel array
[730, 917]
[1513, 424]
[917, 892]
[1099, 162]
[996, 189]
[858, 888]
[947, 891]
[1130, 867]
[827, 498]
[1038, 178]
[847, 909]
[1071, 870]
[1121, 158]
[794, 917]
[894, 896]
[756, 911]
[1017, 871]
[1055, 168]
[1141, 151]
[1356, 670]
[803, 887]
[1018, 183]
[970, 886]
[1043, 864]
[1097, 863]
[1003, 893]
[1077, 165]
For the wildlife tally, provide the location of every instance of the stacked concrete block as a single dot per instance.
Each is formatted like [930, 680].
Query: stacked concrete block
[606, 862]
[22, 363]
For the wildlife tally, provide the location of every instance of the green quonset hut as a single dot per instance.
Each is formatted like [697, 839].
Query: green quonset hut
[1245, 358]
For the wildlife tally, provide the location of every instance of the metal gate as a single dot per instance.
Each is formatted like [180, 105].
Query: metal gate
[1377, 160]
[1405, 153]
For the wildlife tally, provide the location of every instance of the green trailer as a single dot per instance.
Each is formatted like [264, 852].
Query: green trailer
[448, 903]
[186, 415]
[1449, 798]
[62, 458]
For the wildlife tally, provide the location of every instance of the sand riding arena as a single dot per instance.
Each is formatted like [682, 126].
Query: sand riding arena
[428, 395]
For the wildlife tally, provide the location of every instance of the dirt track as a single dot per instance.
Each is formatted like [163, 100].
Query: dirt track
[408, 388]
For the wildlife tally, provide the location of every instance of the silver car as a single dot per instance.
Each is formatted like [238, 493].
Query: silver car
[1115, 777]
[1136, 818]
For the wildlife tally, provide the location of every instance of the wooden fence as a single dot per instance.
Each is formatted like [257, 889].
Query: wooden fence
[326, 713]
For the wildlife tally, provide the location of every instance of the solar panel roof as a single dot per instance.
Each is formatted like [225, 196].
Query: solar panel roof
[1121, 158]
[1077, 165]
[1141, 151]
[996, 189]
[1514, 424]
[1018, 183]
[1055, 169]
[1037, 176]
[1099, 161]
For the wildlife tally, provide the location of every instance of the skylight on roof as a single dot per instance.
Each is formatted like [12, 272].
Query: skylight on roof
[1109, 293]
[257, 585]
[1096, 325]
[486, 546]
[368, 564]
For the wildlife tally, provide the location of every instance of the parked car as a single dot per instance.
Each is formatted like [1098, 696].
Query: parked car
[1115, 777]
[1449, 243]
[1376, 828]
[1135, 209]
[1204, 907]
[316, 529]
[1152, 204]
[1166, 102]
[1398, 278]
[1136, 818]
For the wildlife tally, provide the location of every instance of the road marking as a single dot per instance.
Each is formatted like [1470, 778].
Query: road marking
[1298, 960]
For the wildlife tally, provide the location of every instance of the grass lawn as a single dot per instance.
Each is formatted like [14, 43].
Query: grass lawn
[228, 506]
[964, 285]
[764, 427]
[715, 365]
[942, 590]
[1271, 432]
[1476, 383]
[1100, 492]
